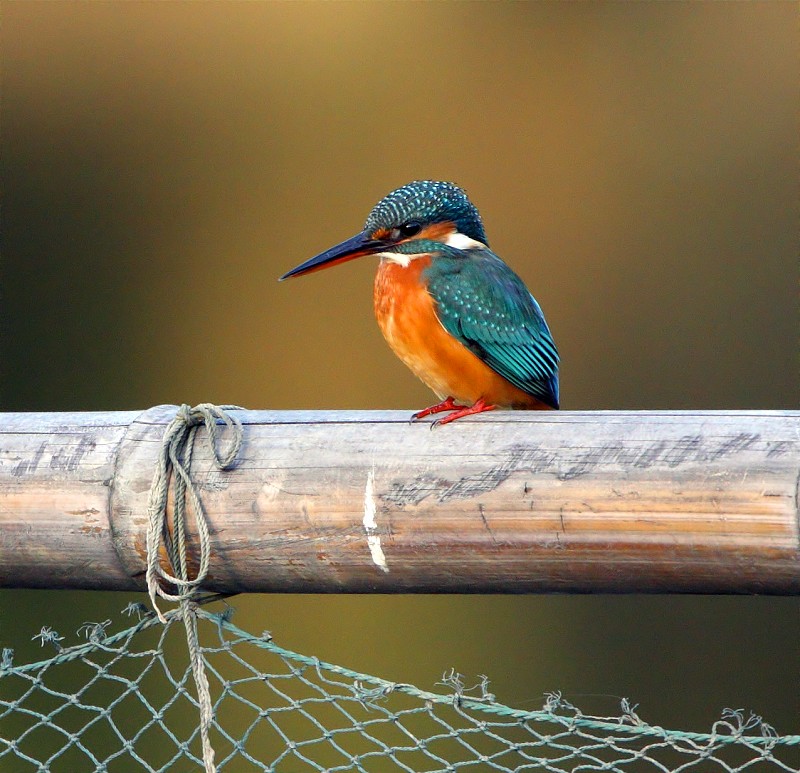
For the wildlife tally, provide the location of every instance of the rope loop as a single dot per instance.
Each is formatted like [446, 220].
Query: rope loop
[174, 463]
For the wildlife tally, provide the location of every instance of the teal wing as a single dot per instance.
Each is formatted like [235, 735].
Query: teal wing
[485, 305]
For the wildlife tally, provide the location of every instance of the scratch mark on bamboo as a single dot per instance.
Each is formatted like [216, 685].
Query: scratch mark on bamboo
[534, 459]
[28, 466]
[371, 524]
[69, 460]
[486, 523]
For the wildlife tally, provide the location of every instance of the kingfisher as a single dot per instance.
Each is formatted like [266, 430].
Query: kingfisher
[449, 308]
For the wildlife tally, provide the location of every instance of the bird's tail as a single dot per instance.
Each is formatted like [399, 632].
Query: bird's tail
[551, 391]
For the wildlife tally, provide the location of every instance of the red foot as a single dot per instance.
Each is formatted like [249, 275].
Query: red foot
[479, 407]
[458, 411]
[446, 405]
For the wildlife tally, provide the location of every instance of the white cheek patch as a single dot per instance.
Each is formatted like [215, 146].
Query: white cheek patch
[401, 258]
[461, 241]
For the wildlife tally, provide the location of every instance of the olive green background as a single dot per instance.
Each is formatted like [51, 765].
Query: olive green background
[164, 163]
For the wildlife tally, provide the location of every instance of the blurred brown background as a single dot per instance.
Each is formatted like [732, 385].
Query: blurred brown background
[163, 163]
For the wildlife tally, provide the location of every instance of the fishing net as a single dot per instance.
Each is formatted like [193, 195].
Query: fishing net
[128, 701]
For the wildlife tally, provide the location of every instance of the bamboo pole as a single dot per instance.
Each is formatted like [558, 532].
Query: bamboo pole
[684, 501]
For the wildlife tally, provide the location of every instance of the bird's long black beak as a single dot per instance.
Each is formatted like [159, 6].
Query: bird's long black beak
[355, 247]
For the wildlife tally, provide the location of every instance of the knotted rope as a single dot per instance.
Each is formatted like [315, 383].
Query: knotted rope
[174, 463]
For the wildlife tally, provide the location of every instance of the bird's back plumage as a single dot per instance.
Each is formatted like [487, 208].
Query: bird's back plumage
[485, 305]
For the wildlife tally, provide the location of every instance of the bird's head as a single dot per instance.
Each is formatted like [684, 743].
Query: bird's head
[421, 212]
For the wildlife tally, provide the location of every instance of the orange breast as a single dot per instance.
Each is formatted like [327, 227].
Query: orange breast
[408, 321]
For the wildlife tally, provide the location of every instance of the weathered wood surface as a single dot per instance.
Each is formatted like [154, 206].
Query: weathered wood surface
[365, 502]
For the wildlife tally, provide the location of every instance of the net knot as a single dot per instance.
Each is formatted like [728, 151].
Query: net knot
[48, 636]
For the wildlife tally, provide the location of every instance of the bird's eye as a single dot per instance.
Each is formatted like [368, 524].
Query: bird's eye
[411, 228]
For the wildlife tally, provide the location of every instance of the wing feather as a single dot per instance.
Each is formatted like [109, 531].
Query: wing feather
[487, 307]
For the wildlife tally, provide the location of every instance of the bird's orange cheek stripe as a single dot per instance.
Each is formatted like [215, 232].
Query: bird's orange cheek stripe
[436, 232]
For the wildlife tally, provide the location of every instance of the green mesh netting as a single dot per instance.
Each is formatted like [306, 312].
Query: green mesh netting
[127, 702]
